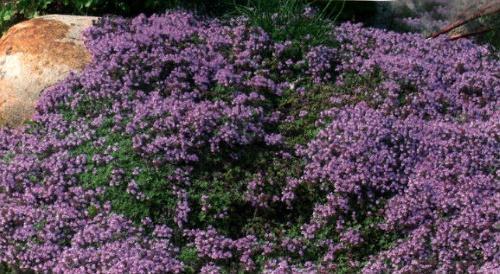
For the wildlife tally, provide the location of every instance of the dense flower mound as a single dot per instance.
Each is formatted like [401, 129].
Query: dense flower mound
[202, 146]
[430, 136]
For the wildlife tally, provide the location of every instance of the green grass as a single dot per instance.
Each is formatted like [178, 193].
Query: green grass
[286, 19]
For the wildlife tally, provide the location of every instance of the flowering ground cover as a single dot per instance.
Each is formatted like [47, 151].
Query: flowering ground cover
[201, 146]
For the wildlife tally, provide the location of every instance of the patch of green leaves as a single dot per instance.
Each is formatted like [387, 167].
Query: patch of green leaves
[151, 180]
[285, 19]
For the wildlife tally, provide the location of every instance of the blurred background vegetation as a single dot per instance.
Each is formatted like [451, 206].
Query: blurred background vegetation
[283, 19]
[13, 11]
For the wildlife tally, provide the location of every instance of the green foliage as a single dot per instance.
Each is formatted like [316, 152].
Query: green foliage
[492, 37]
[189, 256]
[315, 100]
[6, 158]
[13, 11]
[289, 20]
[151, 180]
[5, 269]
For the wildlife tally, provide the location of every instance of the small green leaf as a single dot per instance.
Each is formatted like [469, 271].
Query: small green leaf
[7, 15]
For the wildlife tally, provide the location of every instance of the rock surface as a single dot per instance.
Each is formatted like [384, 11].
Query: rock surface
[34, 55]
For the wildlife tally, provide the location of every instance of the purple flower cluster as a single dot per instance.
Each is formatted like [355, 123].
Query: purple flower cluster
[111, 244]
[431, 79]
[427, 162]
[166, 98]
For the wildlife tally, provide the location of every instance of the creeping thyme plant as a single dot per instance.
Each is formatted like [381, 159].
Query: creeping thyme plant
[191, 145]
